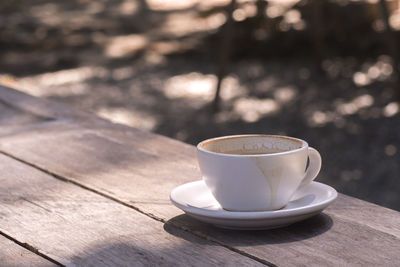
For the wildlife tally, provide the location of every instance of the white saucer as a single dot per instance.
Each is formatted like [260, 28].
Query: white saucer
[196, 200]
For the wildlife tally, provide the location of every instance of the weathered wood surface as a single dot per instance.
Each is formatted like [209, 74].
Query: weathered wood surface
[20, 112]
[13, 255]
[28, 105]
[75, 226]
[140, 169]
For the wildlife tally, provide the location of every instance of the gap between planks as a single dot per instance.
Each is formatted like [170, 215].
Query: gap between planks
[30, 248]
[150, 215]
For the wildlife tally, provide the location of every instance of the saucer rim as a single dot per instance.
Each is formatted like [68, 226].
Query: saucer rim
[245, 215]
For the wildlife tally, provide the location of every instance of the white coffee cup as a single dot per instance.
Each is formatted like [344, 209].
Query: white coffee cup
[256, 172]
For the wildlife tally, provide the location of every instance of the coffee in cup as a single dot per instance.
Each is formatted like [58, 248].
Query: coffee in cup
[256, 172]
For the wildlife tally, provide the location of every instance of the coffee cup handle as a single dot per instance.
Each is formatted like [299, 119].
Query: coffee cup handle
[313, 168]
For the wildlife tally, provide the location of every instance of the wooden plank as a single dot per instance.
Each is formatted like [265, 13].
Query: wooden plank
[124, 160]
[10, 115]
[141, 169]
[76, 226]
[20, 112]
[371, 215]
[12, 254]
[324, 240]
[13, 119]
[40, 108]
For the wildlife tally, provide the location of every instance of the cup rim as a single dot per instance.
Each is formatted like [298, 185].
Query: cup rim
[303, 146]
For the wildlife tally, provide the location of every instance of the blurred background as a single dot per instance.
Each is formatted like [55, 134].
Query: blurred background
[324, 71]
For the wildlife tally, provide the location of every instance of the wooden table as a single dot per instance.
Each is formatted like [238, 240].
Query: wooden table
[75, 189]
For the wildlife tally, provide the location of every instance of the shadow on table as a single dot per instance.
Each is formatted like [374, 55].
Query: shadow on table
[306, 229]
[136, 253]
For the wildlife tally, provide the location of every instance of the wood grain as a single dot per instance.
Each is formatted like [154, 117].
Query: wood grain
[21, 113]
[42, 108]
[13, 255]
[76, 226]
[10, 115]
[324, 240]
[140, 169]
[14, 119]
